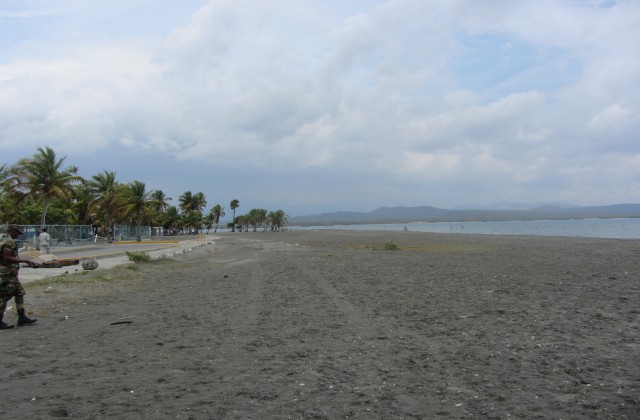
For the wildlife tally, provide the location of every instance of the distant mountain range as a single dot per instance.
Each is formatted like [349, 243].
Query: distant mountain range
[434, 214]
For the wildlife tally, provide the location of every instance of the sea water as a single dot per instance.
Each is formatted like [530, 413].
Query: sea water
[594, 228]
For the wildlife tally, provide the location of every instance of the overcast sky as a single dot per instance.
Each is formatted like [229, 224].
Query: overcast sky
[322, 105]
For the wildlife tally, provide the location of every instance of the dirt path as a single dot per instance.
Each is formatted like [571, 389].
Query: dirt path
[330, 325]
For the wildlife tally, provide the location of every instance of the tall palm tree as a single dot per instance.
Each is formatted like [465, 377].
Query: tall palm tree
[199, 201]
[159, 201]
[81, 205]
[187, 201]
[43, 177]
[218, 213]
[193, 219]
[278, 219]
[209, 220]
[233, 206]
[171, 219]
[104, 189]
[6, 205]
[257, 217]
[135, 203]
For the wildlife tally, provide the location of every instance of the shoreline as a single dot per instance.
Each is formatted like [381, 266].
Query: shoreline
[614, 228]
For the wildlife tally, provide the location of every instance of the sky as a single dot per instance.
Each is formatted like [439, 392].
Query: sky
[314, 106]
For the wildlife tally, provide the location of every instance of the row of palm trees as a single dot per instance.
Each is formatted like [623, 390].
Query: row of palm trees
[39, 189]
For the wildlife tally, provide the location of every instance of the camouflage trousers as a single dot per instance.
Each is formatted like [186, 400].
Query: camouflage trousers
[10, 287]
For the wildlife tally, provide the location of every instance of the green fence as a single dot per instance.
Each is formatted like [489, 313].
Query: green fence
[68, 235]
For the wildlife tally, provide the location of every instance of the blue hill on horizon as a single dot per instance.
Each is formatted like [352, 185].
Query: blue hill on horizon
[401, 214]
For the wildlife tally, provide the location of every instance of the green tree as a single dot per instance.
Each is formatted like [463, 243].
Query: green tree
[24, 211]
[209, 220]
[218, 213]
[171, 219]
[135, 203]
[81, 204]
[200, 201]
[278, 219]
[188, 202]
[42, 176]
[233, 206]
[104, 189]
[242, 222]
[8, 197]
[193, 219]
[160, 202]
[257, 217]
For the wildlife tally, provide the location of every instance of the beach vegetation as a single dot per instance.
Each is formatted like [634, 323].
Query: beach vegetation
[39, 190]
[138, 257]
[43, 177]
[233, 206]
[134, 202]
[391, 246]
[218, 212]
[277, 219]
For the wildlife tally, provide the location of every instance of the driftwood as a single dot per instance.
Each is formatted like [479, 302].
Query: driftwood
[57, 263]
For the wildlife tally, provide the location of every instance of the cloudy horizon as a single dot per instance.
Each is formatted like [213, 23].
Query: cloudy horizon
[312, 106]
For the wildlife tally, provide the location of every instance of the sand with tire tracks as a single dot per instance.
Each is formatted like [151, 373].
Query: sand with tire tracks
[329, 324]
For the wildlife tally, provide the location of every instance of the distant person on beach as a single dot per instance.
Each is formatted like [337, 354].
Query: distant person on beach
[10, 286]
[44, 241]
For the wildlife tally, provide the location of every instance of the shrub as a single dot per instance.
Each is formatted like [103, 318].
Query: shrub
[391, 246]
[138, 257]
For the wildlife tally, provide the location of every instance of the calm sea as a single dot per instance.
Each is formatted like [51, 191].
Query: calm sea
[593, 228]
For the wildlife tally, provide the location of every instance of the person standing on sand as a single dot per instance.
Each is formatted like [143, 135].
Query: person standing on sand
[44, 241]
[10, 286]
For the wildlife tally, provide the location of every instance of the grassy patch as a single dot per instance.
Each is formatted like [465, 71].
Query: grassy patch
[138, 257]
[391, 246]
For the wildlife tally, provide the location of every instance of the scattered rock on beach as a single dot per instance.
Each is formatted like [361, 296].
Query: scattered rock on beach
[90, 264]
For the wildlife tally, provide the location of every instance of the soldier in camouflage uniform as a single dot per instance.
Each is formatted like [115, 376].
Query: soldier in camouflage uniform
[10, 286]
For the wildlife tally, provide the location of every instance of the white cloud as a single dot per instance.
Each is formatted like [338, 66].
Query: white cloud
[613, 118]
[476, 93]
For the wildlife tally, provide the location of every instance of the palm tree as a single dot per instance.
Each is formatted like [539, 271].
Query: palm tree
[43, 177]
[187, 201]
[242, 222]
[233, 206]
[7, 206]
[135, 203]
[278, 219]
[218, 213]
[159, 201]
[171, 219]
[193, 219]
[257, 217]
[81, 205]
[104, 189]
[199, 201]
[209, 220]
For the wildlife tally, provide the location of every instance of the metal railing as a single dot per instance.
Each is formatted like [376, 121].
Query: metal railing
[69, 235]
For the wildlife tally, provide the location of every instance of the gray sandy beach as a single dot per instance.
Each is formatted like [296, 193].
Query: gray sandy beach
[330, 324]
